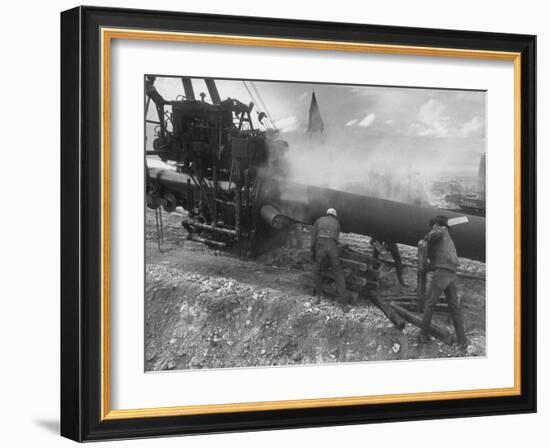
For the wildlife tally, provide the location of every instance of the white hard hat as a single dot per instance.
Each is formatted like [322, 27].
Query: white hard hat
[332, 212]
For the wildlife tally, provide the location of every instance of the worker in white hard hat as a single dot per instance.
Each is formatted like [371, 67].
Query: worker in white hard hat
[324, 248]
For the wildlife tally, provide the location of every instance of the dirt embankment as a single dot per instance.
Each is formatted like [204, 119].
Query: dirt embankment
[206, 309]
[196, 322]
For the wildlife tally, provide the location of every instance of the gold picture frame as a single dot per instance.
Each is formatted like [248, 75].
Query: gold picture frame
[118, 25]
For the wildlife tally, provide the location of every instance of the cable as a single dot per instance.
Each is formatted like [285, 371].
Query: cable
[259, 101]
[249, 92]
[262, 103]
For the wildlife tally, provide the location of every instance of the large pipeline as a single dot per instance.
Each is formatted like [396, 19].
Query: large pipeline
[176, 182]
[379, 218]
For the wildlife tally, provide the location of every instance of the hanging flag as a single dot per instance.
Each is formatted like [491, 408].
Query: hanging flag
[315, 123]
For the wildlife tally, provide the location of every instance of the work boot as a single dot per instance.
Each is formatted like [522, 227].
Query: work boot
[427, 319]
[458, 322]
[352, 300]
[345, 300]
[345, 307]
[463, 343]
[316, 296]
[423, 338]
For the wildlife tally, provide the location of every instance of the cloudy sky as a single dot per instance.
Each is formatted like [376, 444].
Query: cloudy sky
[424, 130]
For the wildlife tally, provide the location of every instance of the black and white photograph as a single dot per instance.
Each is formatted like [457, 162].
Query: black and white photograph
[275, 224]
[309, 223]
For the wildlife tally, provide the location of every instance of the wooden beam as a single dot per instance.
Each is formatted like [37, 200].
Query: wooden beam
[394, 317]
[355, 265]
[435, 330]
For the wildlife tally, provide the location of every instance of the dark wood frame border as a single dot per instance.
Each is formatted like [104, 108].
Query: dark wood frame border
[81, 224]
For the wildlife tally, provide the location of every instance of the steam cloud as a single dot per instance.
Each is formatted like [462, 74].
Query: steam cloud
[399, 168]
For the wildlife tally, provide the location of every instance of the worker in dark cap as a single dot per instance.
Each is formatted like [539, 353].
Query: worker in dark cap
[443, 261]
[324, 248]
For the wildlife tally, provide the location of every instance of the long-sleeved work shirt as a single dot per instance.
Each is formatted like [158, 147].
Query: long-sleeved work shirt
[441, 250]
[325, 227]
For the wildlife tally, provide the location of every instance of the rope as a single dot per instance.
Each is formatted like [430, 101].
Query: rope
[260, 102]
[249, 92]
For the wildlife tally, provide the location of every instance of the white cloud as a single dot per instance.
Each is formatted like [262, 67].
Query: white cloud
[352, 122]
[433, 120]
[388, 121]
[287, 124]
[367, 121]
[472, 127]
[432, 114]
[420, 129]
[426, 132]
[303, 96]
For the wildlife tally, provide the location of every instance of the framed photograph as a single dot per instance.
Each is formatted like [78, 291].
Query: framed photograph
[277, 224]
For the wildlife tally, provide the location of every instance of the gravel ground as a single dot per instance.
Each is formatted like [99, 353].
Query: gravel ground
[206, 309]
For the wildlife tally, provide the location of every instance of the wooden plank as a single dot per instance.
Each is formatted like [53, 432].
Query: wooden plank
[329, 291]
[394, 317]
[346, 252]
[353, 264]
[435, 330]
[440, 308]
[411, 300]
[461, 274]
[353, 283]
[374, 283]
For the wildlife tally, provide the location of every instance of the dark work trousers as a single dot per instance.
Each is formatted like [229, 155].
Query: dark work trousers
[326, 251]
[396, 255]
[444, 280]
[394, 251]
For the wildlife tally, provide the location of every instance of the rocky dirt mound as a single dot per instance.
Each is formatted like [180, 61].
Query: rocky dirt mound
[205, 308]
[196, 321]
